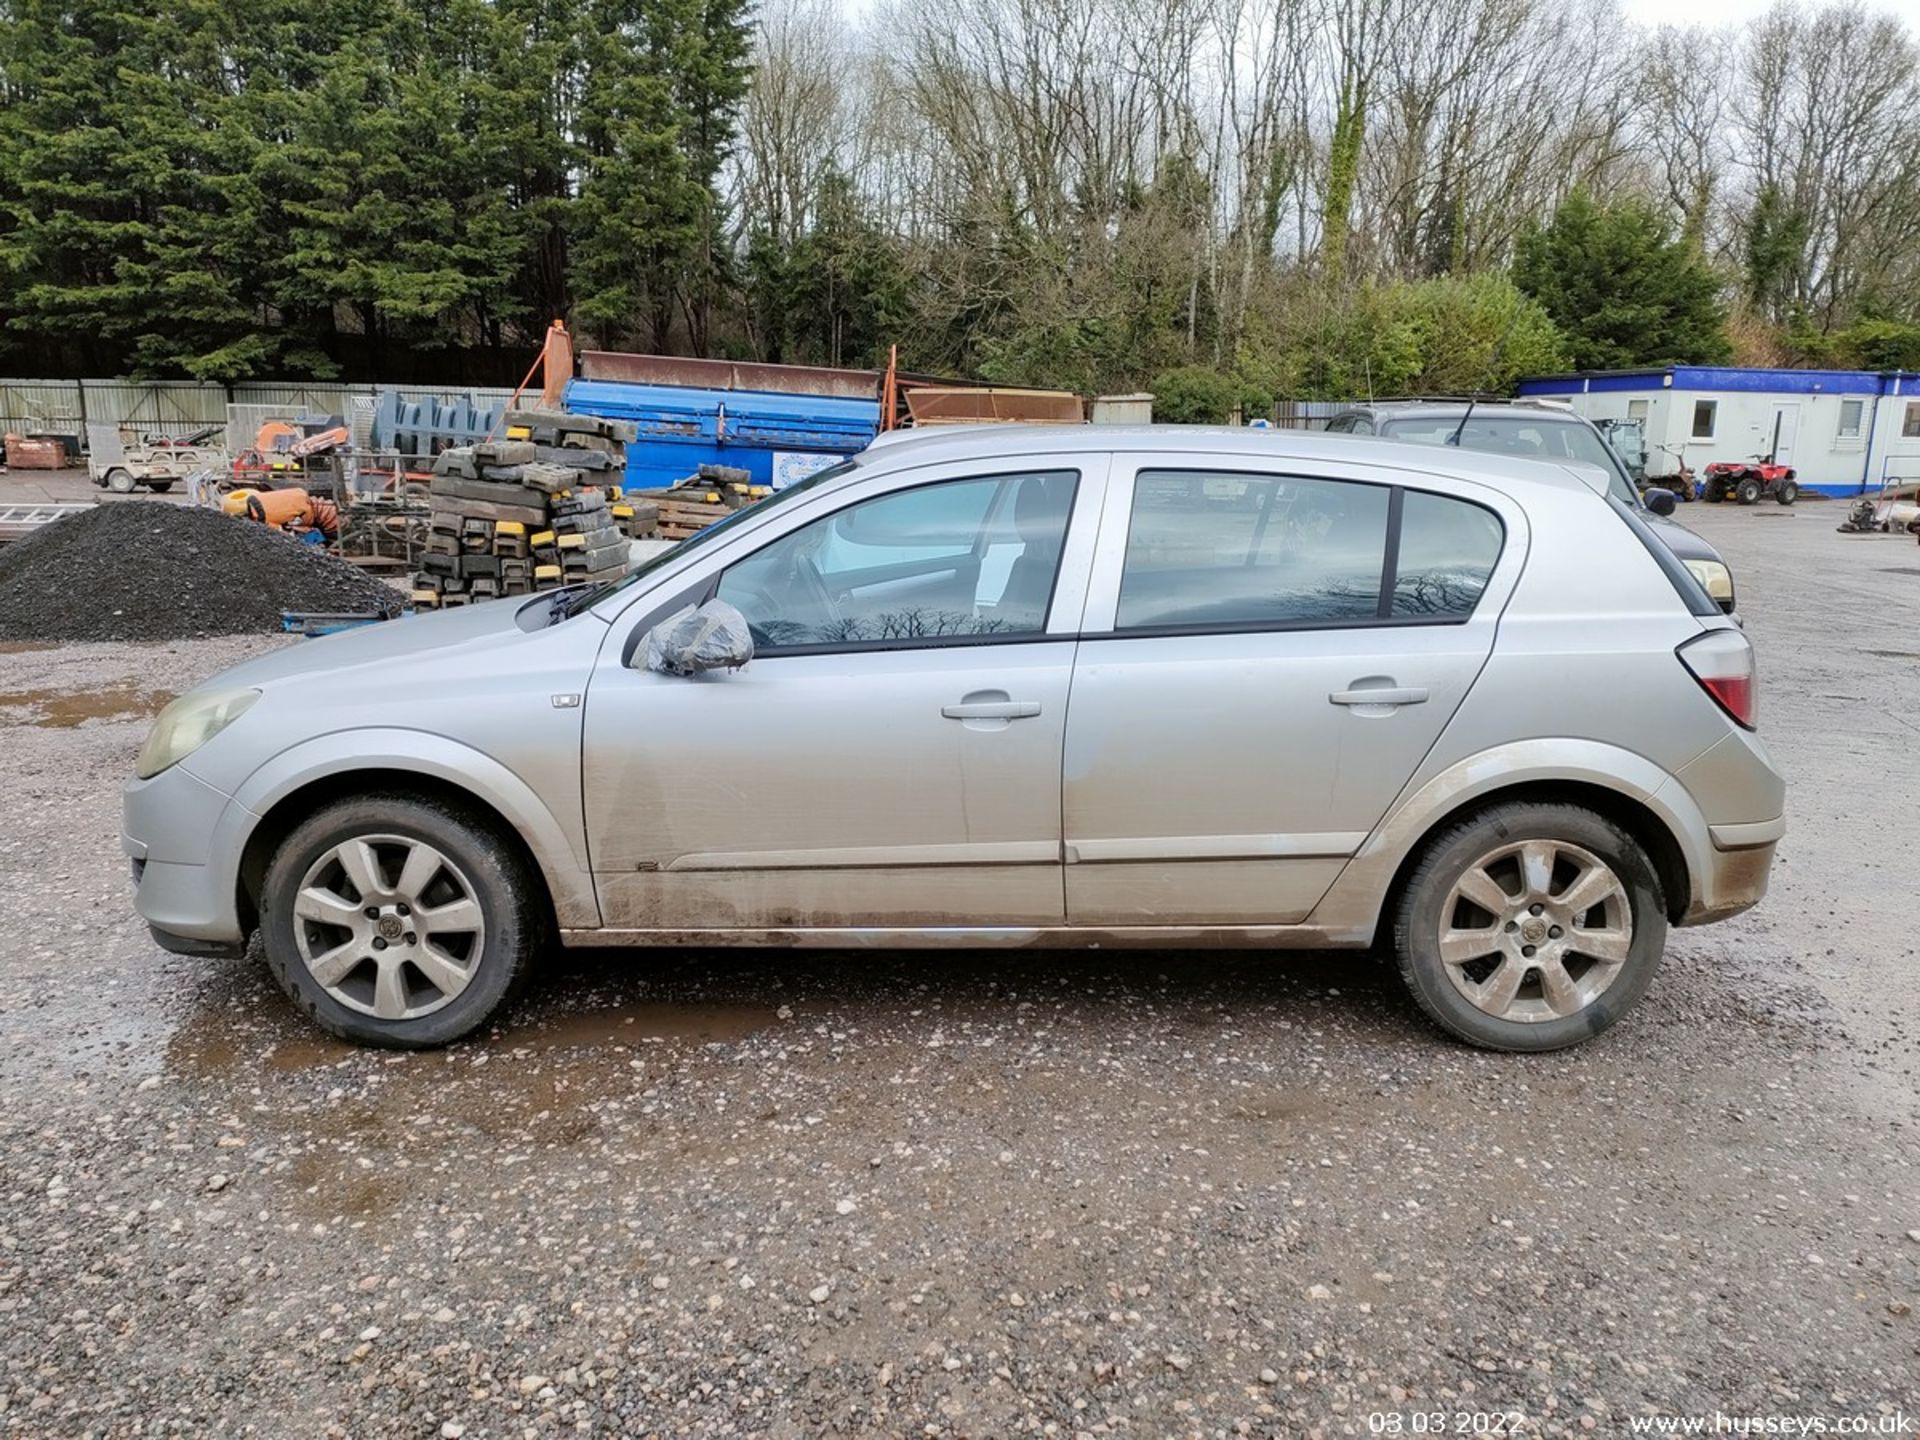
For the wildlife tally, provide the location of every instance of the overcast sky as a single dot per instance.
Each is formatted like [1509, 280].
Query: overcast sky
[1646, 12]
[1698, 12]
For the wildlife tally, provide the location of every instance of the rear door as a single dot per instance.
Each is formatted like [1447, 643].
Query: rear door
[1266, 659]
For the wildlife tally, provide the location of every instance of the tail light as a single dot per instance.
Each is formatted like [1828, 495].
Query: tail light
[1722, 661]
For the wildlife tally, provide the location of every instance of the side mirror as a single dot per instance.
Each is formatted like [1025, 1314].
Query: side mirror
[1659, 501]
[713, 636]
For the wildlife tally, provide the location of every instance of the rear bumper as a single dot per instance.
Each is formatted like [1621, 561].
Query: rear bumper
[1735, 877]
[1732, 778]
[199, 949]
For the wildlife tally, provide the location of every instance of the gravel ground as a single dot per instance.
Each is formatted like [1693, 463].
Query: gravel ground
[719, 1193]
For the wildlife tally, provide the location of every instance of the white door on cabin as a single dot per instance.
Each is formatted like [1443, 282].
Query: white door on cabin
[1786, 422]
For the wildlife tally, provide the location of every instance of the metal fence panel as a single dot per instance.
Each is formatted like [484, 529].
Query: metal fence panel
[179, 407]
[30, 407]
[165, 407]
[1306, 414]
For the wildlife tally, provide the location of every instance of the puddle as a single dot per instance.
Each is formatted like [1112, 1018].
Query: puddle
[206, 1051]
[636, 1024]
[65, 709]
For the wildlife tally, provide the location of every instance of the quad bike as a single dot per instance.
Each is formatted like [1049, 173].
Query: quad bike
[1748, 481]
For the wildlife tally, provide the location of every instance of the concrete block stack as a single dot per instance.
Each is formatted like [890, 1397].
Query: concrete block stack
[537, 510]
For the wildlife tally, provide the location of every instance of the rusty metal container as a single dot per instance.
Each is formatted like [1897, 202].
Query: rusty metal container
[26, 453]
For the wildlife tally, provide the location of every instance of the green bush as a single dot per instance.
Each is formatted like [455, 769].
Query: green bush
[1194, 395]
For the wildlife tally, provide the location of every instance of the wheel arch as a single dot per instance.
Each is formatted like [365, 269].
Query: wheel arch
[289, 789]
[1630, 814]
[1626, 788]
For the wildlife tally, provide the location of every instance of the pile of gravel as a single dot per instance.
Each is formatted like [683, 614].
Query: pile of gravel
[146, 570]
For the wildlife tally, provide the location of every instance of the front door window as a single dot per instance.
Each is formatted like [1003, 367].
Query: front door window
[955, 561]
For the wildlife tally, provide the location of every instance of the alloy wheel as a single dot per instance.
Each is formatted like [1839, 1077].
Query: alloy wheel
[1536, 930]
[388, 926]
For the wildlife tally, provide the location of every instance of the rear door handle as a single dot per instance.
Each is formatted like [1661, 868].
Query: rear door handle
[992, 710]
[1405, 695]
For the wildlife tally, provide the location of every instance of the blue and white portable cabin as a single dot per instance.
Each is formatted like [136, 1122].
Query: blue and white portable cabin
[1843, 431]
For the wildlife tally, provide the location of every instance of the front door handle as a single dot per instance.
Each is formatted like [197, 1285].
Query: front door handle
[992, 710]
[1403, 695]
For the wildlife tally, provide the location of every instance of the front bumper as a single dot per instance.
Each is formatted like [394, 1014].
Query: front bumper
[171, 828]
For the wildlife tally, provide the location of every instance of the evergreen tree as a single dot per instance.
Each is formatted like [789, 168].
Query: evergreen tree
[1773, 246]
[1621, 288]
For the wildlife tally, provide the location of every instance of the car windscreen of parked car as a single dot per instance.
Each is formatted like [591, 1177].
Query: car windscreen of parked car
[1526, 437]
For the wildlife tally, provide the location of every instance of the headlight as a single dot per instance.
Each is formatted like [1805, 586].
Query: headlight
[1714, 578]
[187, 724]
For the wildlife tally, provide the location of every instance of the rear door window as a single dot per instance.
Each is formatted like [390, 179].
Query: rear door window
[1207, 550]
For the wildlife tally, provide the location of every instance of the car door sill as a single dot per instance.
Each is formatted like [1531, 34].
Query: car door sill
[985, 937]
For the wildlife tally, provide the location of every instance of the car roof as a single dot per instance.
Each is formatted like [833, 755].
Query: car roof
[934, 445]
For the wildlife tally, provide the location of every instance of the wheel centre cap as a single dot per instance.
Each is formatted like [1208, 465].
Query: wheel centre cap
[1534, 931]
[389, 927]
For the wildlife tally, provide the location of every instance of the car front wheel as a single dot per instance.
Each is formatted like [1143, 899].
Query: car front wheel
[398, 921]
[1530, 926]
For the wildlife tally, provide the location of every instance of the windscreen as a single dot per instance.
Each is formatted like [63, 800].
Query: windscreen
[1526, 437]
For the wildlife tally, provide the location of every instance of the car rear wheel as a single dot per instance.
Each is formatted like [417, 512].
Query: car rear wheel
[397, 921]
[1530, 926]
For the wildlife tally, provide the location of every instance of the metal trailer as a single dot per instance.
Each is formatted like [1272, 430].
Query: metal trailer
[121, 467]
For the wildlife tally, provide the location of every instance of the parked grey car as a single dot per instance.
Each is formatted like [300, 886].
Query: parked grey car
[1534, 429]
[1009, 687]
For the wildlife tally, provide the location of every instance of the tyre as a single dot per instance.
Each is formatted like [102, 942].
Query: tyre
[1786, 492]
[398, 921]
[120, 481]
[1530, 926]
[1749, 491]
[1715, 492]
[159, 487]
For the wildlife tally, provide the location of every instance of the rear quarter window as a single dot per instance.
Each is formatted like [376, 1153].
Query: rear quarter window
[1448, 549]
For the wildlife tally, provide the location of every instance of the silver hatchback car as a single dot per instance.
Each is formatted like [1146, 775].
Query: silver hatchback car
[1009, 686]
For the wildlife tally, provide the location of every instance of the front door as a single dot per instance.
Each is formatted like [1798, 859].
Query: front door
[1281, 653]
[891, 755]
